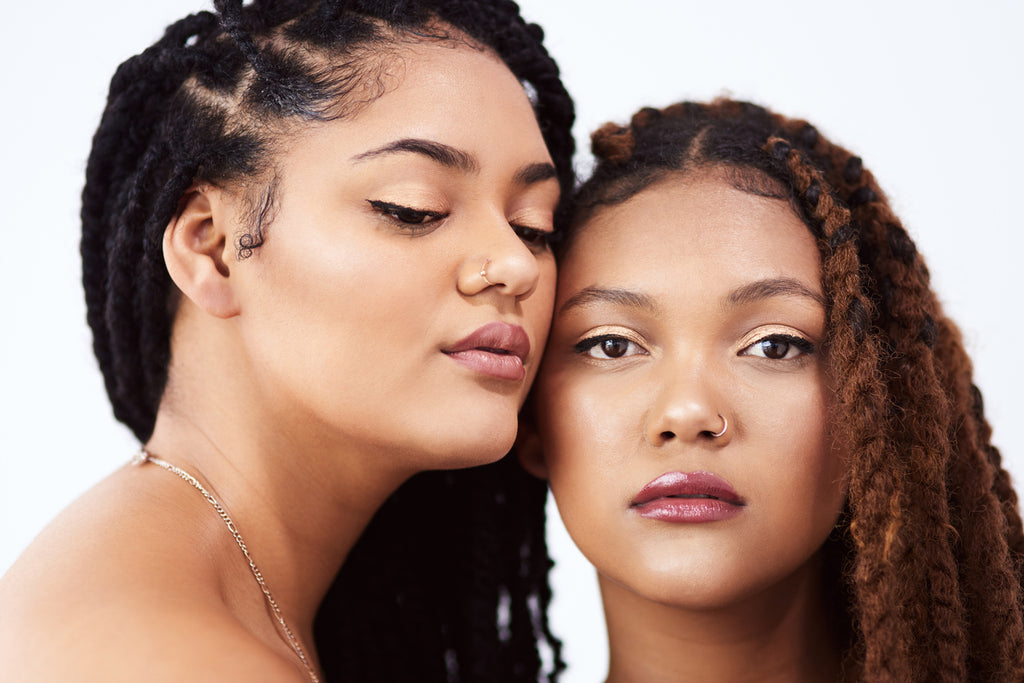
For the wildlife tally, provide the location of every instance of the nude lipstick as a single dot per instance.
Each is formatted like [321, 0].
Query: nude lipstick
[688, 498]
[497, 350]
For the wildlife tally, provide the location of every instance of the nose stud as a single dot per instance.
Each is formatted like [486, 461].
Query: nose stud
[725, 426]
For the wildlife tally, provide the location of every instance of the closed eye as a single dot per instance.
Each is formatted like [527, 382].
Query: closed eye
[532, 237]
[414, 220]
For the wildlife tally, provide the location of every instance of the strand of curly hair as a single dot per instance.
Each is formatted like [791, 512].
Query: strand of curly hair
[930, 549]
[975, 468]
[207, 103]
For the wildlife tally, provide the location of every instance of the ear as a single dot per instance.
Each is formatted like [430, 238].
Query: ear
[528, 446]
[198, 250]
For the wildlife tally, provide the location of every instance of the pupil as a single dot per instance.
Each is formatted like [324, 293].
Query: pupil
[614, 348]
[775, 349]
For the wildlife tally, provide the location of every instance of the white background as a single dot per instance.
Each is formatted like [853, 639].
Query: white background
[928, 93]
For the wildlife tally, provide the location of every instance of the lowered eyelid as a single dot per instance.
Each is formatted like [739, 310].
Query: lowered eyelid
[526, 223]
[383, 205]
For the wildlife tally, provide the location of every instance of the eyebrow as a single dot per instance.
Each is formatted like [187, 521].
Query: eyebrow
[618, 297]
[452, 157]
[771, 287]
[748, 293]
[446, 155]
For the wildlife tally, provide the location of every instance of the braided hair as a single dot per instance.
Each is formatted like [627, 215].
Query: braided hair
[460, 591]
[926, 562]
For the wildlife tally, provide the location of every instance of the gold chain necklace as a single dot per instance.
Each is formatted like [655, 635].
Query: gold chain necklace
[144, 456]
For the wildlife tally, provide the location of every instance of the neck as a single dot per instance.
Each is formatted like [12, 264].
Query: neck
[782, 634]
[299, 507]
[300, 492]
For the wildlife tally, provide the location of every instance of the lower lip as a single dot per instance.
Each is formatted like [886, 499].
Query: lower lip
[496, 365]
[688, 510]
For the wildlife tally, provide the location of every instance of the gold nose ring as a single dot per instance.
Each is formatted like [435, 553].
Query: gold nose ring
[483, 273]
[725, 425]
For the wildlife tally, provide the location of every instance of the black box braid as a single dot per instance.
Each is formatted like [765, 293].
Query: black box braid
[449, 582]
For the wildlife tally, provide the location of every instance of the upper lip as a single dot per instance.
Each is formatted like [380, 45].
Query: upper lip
[688, 484]
[495, 337]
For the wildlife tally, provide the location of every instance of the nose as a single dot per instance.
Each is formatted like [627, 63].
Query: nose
[687, 407]
[501, 261]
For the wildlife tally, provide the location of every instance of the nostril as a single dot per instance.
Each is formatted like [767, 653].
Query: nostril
[668, 436]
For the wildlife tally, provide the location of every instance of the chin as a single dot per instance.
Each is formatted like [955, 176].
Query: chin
[693, 587]
[449, 433]
[470, 444]
[481, 451]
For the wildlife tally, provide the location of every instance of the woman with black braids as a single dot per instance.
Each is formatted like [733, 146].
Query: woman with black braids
[760, 427]
[316, 266]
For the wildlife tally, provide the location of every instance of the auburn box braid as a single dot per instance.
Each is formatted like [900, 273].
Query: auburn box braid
[926, 563]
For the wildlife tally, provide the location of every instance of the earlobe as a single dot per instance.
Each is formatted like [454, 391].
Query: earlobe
[197, 252]
[528, 446]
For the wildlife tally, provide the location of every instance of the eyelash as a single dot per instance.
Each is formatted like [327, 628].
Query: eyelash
[532, 237]
[414, 220]
[805, 346]
[585, 346]
[418, 221]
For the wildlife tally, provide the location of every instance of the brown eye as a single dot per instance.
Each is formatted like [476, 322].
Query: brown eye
[614, 348]
[609, 347]
[776, 349]
[779, 347]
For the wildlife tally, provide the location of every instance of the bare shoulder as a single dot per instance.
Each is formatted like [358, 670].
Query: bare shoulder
[111, 591]
[142, 644]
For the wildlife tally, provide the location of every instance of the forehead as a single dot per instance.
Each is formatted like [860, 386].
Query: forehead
[697, 232]
[450, 93]
[447, 80]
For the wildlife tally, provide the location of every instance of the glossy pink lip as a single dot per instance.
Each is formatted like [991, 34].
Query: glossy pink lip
[688, 497]
[497, 349]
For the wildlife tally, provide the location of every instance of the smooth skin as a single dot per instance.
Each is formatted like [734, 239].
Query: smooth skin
[690, 302]
[307, 382]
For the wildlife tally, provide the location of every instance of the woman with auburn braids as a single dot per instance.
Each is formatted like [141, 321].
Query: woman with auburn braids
[316, 266]
[758, 424]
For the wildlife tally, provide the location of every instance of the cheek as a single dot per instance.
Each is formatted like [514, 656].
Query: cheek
[539, 306]
[809, 481]
[357, 284]
[584, 432]
[824, 463]
[325, 314]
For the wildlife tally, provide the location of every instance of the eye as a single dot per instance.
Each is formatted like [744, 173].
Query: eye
[532, 237]
[413, 219]
[608, 347]
[779, 347]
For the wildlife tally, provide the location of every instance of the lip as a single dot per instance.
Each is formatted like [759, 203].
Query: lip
[688, 497]
[496, 349]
